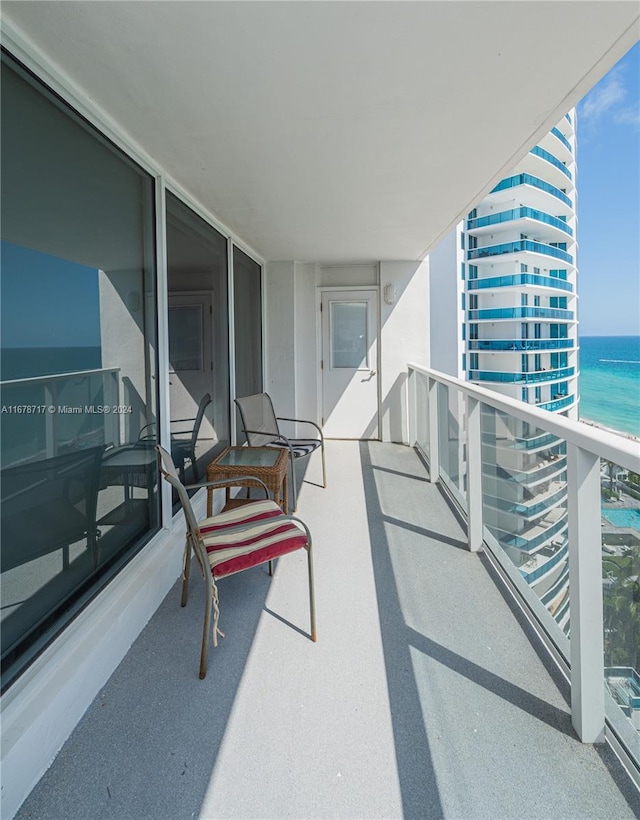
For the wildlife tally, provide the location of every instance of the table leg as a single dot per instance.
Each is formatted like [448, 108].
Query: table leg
[209, 502]
[285, 492]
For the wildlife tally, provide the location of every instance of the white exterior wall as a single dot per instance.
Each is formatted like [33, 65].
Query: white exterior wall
[293, 346]
[446, 315]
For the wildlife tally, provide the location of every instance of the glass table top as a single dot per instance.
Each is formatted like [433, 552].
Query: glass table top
[250, 457]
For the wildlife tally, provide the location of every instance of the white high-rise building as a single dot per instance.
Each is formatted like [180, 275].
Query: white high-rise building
[508, 272]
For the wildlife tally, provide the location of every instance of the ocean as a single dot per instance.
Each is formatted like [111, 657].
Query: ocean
[610, 381]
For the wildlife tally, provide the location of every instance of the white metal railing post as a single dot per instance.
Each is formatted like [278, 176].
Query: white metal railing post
[585, 593]
[434, 442]
[412, 409]
[474, 473]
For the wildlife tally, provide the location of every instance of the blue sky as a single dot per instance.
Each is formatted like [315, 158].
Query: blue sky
[608, 158]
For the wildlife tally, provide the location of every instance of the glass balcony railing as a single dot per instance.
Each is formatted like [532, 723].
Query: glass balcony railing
[534, 182]
[520, 344]
[562, 138]
[521, 378]
[521, 313]
[506, 465]
[517, 279]
[540, 152]
[57, 414]
[521, 246]
[519, 213]
[557, 404]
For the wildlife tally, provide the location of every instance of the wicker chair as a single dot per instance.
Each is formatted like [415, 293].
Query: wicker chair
[243, 537]
[260, 426]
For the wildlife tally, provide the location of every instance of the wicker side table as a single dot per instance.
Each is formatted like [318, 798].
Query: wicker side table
[269, 464]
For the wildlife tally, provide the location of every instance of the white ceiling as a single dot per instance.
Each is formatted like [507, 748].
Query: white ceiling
[326, 131]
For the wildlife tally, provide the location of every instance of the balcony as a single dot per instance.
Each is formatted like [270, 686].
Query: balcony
[521, 246]
[520, 344]
[424, 672]
[562, 138]
[519, 213]
[521, 378]
[490, 314]
[549, 157]
[534, 182]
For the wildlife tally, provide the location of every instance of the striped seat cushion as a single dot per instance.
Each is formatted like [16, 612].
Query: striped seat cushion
[269, 538]
[301, 446]
[244, 514]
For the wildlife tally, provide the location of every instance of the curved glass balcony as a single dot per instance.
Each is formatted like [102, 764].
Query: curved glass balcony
[520, 344]
[557, 404]
[535, 182]
[519, 247]
[519, 213]
[540, 152]
[530, 544]
[522, 313]
[524, 510]
[521, 378]
[520, 279]
[547, 566]
[562, 138]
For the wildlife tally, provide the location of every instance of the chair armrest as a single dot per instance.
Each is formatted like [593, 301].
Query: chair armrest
[227, 482]
[303, 421]
[146, 427]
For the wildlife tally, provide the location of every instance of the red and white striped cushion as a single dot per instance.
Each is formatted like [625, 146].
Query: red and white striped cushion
[268, 538]
[244, 514]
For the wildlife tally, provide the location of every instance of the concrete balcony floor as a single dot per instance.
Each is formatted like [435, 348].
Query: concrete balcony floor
[423, 698]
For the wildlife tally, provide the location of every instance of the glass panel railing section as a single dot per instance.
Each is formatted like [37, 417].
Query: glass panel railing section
[520, 279]
[524, 494]
[519, 213]
[48, 416]
[562, 138]
[557, 404]
[534, 182]
[521, 313]
[421, 411]
[540, 152]
[520, 378]
[520, 344]
[451, 435]
[620, 496]
[520, 246]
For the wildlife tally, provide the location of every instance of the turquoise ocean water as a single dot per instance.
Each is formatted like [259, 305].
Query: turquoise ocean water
[610, 381]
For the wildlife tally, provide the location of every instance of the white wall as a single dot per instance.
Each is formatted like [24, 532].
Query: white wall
[445, 291]
[280, 325]
[404, 338]
[292, 346]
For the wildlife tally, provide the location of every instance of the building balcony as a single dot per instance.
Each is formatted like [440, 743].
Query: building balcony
[366, 722]
[547, 156]
[557, 404]
[500, 345]
[533, 182]
[521, 378]
[562, 138]
[491, 314]
[515, 214]
[521, 246]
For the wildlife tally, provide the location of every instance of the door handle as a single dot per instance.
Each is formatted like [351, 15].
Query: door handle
[372, 373]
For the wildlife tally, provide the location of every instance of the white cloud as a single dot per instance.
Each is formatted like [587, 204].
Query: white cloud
[628, 116]
[608, 94]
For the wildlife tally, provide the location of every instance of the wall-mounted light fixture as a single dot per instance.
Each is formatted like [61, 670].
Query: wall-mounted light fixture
[389, 294]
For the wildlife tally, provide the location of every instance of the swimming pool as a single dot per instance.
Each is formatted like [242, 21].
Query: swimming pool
[623, 518]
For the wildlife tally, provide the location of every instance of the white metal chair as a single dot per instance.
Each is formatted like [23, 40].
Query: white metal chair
[260, 426]
[243, 537]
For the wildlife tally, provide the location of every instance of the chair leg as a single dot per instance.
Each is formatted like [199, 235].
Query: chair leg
[271, 568]
[324, 468]
[312, 596]
[293, 483]
[206, 632]
[194, 465]
[186, 568]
